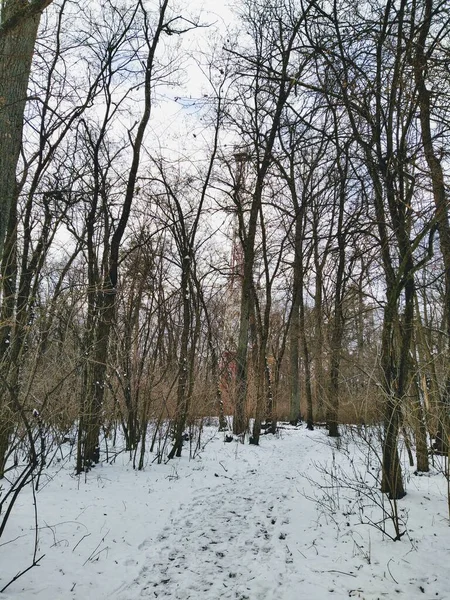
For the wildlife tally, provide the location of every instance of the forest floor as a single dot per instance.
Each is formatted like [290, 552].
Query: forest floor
[235, 522]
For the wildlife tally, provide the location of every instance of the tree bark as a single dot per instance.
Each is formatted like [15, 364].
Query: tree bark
[19, 23]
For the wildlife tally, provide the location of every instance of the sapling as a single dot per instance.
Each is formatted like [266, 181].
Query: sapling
[354, 489]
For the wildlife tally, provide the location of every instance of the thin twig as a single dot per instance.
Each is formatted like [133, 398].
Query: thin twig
[78, 543]
[393, 578]
[96, 548]
[16, 577]
[336, 571]
[13, 540]
[36, 524]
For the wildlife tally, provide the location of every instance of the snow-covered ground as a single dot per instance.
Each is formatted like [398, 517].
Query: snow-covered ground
[236, 522]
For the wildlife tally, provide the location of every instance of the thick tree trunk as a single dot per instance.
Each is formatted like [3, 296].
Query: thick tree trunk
[240, 417]
[264, 398]
[19, 23]
[94, 385]
[392, 483]
[184, 365]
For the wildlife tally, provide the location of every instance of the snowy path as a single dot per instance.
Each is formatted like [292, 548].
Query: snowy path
[245, 531]
[229, 541]
[237, 522]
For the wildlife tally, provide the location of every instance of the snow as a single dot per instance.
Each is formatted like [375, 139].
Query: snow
[235, 522]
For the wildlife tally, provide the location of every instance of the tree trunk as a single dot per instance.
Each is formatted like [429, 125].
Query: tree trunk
[9, 281]
[104, 307]
[392, 483]
[294, 355]
[185, 366]
[320, 395]
[338, 317]
[307, 363]
[420, 431]
[18, 32]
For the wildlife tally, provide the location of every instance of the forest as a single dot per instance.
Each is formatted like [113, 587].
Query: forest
[237, 218]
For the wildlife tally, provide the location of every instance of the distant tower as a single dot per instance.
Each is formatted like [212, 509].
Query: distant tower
[233, 292]
[241, 157]
[234, 286]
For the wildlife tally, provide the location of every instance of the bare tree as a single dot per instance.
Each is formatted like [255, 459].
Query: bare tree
[421, 58]
[264, 70]
[103, 292]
